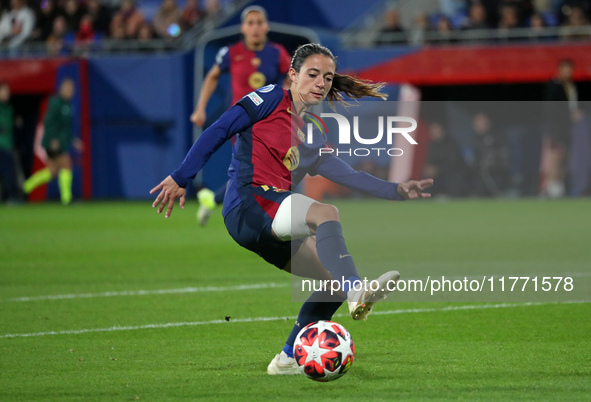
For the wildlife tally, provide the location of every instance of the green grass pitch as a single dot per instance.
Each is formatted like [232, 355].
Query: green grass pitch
[120, 304]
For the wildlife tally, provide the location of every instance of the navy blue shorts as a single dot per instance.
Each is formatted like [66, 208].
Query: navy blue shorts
[250, 222]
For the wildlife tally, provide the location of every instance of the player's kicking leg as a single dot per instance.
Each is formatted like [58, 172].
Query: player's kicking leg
[334, 256]
[362, 300]
[297, 217]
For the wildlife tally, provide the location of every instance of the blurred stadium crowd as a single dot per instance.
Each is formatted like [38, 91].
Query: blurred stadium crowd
[61, 24]
[66, 26]
[489, 21]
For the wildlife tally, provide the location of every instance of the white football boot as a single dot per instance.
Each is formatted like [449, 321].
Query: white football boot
[206, 199]
[283, 365]
[361, 301]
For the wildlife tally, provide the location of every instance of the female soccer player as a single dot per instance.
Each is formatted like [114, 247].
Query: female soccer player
[57, 139]
[291, 231]
[252, 63]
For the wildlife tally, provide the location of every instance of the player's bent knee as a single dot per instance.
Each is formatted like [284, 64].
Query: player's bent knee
[331, 213]
[320, 213]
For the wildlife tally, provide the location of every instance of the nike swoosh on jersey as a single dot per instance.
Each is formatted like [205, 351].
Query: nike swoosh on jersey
[344, 255]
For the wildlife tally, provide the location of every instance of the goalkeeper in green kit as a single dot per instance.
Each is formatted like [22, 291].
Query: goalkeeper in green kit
[57, 138]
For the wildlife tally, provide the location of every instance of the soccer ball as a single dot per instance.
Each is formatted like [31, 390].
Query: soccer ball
[324, 351]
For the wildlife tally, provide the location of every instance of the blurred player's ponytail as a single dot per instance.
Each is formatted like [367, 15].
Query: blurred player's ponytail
[350, 86]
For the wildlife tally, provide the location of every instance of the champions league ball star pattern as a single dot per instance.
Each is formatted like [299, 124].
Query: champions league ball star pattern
[324, 351]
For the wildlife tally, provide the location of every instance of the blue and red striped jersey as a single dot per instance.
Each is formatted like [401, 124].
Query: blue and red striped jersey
[250, 70]
[271, 150]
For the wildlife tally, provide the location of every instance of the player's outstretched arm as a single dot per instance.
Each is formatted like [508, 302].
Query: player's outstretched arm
[340, 172]
[209, 85]
[234, 120]
[414, 189]
[170, 191]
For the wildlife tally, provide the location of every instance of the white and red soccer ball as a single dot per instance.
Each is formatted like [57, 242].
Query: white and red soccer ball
[324, 351]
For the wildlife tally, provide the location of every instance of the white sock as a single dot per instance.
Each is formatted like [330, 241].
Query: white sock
[284, 358]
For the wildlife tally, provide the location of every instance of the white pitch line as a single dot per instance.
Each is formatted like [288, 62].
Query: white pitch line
[148, 292]
[199, 290]
[263, 319]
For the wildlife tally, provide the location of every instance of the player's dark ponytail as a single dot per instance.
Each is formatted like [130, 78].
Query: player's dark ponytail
[354, 88]
[350, 86]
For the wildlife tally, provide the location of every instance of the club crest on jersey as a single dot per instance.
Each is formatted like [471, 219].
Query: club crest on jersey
[255, 98]
[292, 159]
[301, 135]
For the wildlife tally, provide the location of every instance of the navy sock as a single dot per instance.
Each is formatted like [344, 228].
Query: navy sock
[220, 193]
[350, 283]
[289, 349]
[316, 308]
[333, 253]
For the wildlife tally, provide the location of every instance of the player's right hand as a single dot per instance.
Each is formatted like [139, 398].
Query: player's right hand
[198, 118]
[170, 192]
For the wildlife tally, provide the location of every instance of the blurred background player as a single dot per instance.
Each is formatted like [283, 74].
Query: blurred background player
[58, 136]
[563, 110]
[491, 158]
[7, 165]
[444, 163]
[252, 63]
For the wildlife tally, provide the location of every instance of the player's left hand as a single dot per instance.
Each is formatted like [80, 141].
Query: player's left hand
[414, 189]
[170, 192]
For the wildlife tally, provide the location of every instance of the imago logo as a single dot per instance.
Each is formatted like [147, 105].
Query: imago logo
[387, 125]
